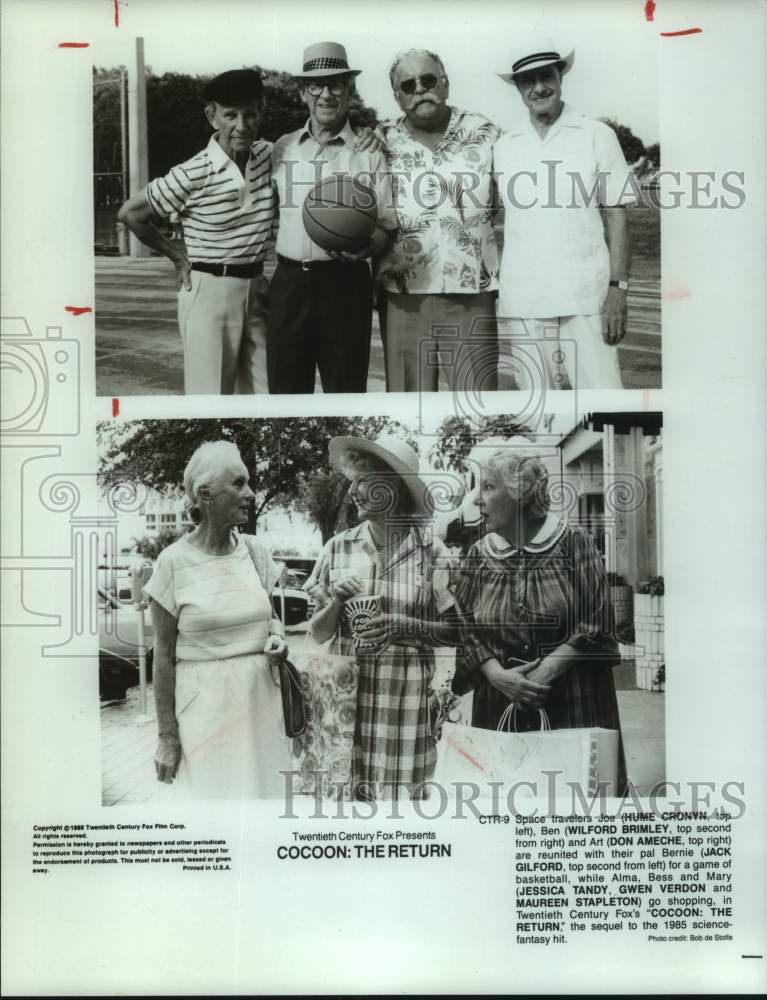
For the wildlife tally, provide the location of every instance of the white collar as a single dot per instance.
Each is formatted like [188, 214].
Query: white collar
[545, 538]
[569, 118]
[346, 134]
[218, 157]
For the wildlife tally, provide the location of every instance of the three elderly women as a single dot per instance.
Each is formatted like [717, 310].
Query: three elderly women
[527, 608]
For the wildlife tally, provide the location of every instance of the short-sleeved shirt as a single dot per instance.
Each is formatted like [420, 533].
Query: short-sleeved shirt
[221, 603]
[299, 162]
[555, 258]
[445, 242]
[392, 731]
[226, 217]
[416, 581]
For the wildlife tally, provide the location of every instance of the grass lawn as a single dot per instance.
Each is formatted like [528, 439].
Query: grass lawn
[644, 222]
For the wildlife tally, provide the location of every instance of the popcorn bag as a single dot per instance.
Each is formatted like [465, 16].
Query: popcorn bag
[359, 612]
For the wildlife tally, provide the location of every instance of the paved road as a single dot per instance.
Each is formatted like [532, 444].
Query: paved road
[138, 350]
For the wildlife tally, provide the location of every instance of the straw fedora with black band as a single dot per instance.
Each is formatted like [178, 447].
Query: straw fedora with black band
[394, 452]
[325, 59]
[544, 54]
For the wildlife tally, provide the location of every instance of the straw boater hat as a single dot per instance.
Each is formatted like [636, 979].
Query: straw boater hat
[396, 453]
[325, 59]
[544, 53]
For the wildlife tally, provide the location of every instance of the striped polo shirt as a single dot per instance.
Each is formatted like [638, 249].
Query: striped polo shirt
[227, 218]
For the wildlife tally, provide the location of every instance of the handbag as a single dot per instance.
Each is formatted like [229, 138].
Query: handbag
[293, 707]
[323, 752]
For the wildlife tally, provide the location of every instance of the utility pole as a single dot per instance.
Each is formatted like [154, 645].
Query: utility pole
[137, 135]
[124, 247]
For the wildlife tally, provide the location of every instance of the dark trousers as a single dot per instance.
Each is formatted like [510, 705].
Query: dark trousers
[320, 318]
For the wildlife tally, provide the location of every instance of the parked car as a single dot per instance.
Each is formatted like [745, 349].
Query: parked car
[118, 645]
[296, 564]
[299, 607]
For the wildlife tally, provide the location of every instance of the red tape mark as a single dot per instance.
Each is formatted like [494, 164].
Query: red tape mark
[675, 34]
[678, 293]
[78, 310]
[649, 10]
[115, 406]
[74, 45]
[468, 757]
[645, 399]
[117, 13]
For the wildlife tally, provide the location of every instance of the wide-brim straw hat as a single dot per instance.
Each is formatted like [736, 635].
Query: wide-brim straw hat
[325, 59]
[544, 53]
[394, 452]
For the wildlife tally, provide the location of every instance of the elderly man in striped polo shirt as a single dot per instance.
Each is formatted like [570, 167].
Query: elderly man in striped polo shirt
[225, 202]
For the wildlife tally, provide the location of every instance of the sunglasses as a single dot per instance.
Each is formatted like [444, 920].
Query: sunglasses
[336, 87]
[428, 81]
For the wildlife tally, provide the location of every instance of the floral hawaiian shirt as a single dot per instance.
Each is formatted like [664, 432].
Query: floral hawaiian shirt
[446, 242]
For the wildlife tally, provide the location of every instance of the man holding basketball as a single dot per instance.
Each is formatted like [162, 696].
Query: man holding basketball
[320, 303]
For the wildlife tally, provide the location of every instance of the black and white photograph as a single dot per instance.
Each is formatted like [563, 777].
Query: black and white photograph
[290, 215]
[436, 668]
[500, 568]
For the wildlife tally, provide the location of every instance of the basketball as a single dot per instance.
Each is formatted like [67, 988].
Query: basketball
[340, 214]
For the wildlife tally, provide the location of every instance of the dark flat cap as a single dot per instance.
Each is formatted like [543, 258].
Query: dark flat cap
[236, 86]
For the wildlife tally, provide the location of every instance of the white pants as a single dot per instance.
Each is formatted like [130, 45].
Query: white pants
[558, 352]
[223, 329]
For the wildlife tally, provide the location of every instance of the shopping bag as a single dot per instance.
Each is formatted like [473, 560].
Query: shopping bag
[323, 752]
[603, 764]
[585, 757]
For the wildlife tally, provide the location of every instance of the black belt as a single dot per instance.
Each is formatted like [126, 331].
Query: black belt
[313, 265]
[230, 270]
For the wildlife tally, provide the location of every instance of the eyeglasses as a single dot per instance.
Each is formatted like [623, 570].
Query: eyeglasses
[335, 87]
[428, 81]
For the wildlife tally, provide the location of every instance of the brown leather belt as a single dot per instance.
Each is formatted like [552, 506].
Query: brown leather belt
[229, 270]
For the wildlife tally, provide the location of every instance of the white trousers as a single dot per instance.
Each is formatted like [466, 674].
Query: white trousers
[223, 329]
[559, 352]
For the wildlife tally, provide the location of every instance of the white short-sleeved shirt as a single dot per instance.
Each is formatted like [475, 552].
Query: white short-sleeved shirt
[555, 258]
[221, 603]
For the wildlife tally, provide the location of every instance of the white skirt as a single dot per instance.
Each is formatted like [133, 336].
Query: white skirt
[231, 729]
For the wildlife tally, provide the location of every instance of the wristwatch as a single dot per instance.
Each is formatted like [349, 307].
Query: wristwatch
[623, 285]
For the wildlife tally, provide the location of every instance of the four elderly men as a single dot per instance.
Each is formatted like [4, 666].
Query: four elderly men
[440, 176]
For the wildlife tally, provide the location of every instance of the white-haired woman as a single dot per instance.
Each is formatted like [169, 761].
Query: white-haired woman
[533, 596]
[219, 710]
[391, 553]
